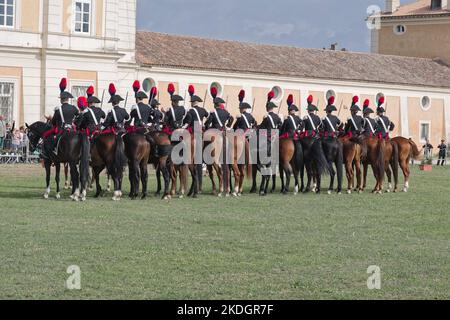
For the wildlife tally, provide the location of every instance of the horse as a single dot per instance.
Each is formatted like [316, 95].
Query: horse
[161, 161]
[103, 155]
[407, 150]
[376, 159]
[179, 169]
[291, 162]
[72, 148]
[333, 150]
[137, 150]
[353, 152]
[213, 143]
[315, 163]
[391, 161]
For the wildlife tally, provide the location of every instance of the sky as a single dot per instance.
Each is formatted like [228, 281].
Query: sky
[300, 23]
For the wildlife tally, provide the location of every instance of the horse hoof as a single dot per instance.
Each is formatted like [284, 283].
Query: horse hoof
[330, 191]
[239, 194]
[58, 196]
[388, 191]
[234, 194]
[405, 190]
[83, 199]
[46, 196]
[166, 198]
[220, 195]
[253, 190]
[349, 191]
[339, 192]
[180, 196]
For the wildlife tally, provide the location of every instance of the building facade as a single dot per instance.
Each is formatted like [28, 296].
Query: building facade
[417, 29]
[95, 42]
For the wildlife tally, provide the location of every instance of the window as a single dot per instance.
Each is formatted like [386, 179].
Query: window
[399, 29]
[79, 91]
[148, 84]
[82, 21]
[436, 4]
[330, 93]
[219, 88]
[7, 100]
[278, 93]
[424, 131]
[425, 103]
[7, 13]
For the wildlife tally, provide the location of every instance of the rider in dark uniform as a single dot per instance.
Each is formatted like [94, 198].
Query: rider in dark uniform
[63, 119]
[157, 115]
[331, 123]
[293, 125]
[245, 120]
[173, 118]
[196, 114]
[141, 113]
[312, 121]
[370, 125]
[271, 120]
[355, 123]
[92, 117]
[384, 125]
[219, 118]
[117, 117]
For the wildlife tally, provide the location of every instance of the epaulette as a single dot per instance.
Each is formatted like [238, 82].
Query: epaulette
[56, 109]
[238, 116]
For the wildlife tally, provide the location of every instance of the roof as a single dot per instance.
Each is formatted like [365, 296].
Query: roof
[418, 8]
[186, 52]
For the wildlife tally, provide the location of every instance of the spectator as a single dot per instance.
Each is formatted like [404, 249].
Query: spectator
[17, 138]
[428, 150]
[442, 153]
[2, 132]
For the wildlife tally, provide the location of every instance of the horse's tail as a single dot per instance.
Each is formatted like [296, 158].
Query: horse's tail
[380, 158]
[317, 154]
[85, 158]
[415, 153]
[120, 160]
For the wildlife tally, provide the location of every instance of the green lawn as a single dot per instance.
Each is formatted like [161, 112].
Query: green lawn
[276, 247]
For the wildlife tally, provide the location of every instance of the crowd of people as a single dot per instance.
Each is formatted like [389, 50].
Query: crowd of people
[13, 141]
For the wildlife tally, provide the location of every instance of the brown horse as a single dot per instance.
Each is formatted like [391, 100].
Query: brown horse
[353, 152]
[291, 163]
[376, 159]
[407, 150]
[391, 162]
[239, 161]
[179, 169]
[213, 145]
[137, 150]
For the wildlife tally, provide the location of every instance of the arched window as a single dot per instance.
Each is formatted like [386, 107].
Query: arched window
[425, 103]
[399, 29]
[148, 84]
[279, 93]
[219, 88]
[329, 94]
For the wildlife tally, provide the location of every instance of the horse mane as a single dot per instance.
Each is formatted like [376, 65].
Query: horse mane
[39, 127]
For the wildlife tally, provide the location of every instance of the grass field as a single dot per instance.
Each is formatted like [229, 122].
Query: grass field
[276, 247]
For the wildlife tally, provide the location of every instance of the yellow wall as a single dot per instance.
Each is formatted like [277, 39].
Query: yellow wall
[30, 15]
[427, 40]
[435, 114]
[164, 97]
[15, 72]
[99, 18]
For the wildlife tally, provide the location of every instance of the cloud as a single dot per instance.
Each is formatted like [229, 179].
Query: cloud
[269, 29]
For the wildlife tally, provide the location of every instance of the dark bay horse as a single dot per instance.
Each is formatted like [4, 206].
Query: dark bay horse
[137, 150]
[315, 162]
[161, 159]
[72, 148]
[334, 153]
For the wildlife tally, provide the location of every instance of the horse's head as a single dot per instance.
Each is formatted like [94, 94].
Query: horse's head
[35, 133]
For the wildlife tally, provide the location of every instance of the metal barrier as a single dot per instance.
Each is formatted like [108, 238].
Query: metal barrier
[21, 154]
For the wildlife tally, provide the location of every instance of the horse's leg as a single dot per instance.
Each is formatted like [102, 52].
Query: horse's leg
[340, 172]
[158, 181]
[404, 165]
[389, 176]
[199, 172]
[96, 172]
[144, 177]
[274, 183]
[288, 170]
[364, 177]
[254, 175]
[173, 174]
[57, 180]
[219, 173]
[48, 167]
[282, 170]
[211, 177]
[309, 177]
[136, 179]
[241, 182]
[183, 180]
[359, 186]
[108, 185]
[332, 176]
[350, 175]
[66, 176]
[237, 179]
[75, 177]
[165, 170]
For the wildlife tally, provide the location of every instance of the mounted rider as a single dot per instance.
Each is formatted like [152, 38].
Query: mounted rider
[244, 120]
[220, 118]
[118, 116]
[384, 125]
[293, 125]
[196, 114]
[173, 118]
[312, 121]
[63, 119]
[140, 112]
[355, 123]
[271, 121]
[157, 116]
[91, 118]
[370, 125]
[331, 124]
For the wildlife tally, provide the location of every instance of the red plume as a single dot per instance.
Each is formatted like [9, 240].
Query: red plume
[290, 100]
[153, 93]
[270, 95]
[136, 86]
[171, 89]
[241, 96]
[63, 84]
[82, 102]
[191, 90]
[90, 91]
[381, 101]
[355, 100]
[331, 100]
[366, 103]
[112, 89]
[214, 92]
[310, 99]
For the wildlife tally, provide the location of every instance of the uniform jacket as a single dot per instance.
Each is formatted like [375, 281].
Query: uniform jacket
[192, 117]
[369, 125]
[121, 115]
[87, 121]
[69, 113]
[268, 124]
[177, 122]
[384, 129]
[141, 113]
[331, 124]
[355, 124]
[244, 121]
[309, 127]
[291, 125]
[225, 119]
